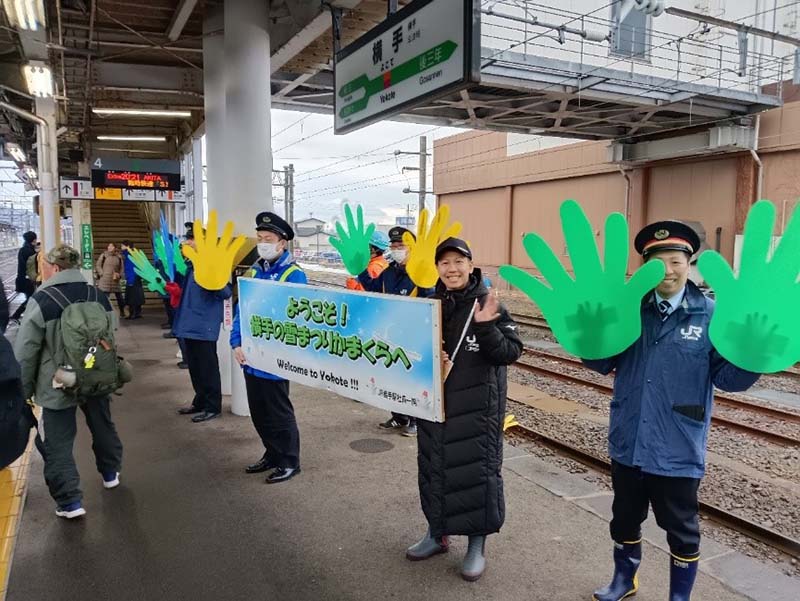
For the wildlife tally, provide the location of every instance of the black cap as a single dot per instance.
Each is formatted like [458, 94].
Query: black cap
[29, 237]
[666, 235]
[270, 222]
[456, 244]
[396, 234]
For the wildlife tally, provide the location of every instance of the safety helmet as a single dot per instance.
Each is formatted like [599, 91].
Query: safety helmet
[379, 240]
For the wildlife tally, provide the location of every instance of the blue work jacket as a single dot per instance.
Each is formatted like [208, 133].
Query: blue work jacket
[664, 388]
[130, 269]
[284, 269]
[199, 315]
[392, 280]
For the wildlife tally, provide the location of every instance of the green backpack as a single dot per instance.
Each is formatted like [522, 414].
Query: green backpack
[86, 347]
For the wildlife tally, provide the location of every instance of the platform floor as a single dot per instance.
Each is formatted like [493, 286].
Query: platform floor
[188, 524]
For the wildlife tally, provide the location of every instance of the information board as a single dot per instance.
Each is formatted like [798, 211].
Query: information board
[428, 49]
[136, 174]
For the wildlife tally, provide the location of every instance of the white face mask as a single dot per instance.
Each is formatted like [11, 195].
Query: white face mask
[268, 250]
[400, 255]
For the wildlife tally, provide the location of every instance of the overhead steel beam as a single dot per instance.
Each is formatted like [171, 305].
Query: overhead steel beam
[129, 75]
[179, 19]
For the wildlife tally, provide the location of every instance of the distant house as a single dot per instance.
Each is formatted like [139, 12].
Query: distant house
[310, 235]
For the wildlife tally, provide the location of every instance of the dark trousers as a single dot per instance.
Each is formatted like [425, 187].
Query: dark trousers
[273, 417]
[674, 502]
[59, 427]
[201, 355]
[169, 311]
[120, 302]
[27, 288]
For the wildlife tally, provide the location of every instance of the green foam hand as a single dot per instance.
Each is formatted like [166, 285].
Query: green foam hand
[353, 243]
[755, 324]
[596, 314]
[160, 252]
[145, 270]
[177, 257]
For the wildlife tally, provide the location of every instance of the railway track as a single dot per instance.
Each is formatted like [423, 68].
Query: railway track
[770, 435]
[751, 529]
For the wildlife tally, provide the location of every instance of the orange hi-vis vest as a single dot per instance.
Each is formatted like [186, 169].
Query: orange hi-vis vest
[375, 268]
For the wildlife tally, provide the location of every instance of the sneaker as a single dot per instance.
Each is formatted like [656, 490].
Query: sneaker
[409, 430]
[110, 479]
[391, 424]
[71, 511]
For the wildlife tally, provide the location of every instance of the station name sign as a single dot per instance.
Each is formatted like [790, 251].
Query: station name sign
[136, 174]
[429, 49]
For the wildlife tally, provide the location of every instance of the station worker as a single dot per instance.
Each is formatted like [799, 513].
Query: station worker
[661, 413]
[395, 280]
[460, 460]
[378, 245]
[196, 325]
[268, 395]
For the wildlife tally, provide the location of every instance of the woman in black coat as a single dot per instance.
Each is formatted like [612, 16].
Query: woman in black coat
[22, 283]
[460, 460]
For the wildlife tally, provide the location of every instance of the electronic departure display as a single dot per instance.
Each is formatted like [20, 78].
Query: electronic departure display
[136, 180]
[136, 174]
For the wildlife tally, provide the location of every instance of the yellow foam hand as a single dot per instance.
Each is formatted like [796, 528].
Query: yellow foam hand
[509, 422]
[421, 265]
[213, 258]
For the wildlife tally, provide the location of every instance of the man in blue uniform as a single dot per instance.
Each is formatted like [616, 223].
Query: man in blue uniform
[268, 395]
[395, 280]
[661, 413]
[197, 324]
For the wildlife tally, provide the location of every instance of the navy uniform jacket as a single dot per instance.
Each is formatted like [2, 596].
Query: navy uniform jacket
[663, 391]
[200, 313]
[392, 280]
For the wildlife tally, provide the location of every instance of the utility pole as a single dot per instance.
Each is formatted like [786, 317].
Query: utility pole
[290, 200]
[423, 171]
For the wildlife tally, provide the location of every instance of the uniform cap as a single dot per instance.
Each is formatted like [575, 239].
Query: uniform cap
[396, 233]
[456, 244]
[64, 256]
[270, 222]
[666, 235]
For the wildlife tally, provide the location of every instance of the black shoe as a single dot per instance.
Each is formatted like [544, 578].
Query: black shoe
[204, 417]
[183, 365]
[281, 474]
[166, 326]
[189, 410]
[262, 465]
[139, 316]
[168, 335]
[392, 424]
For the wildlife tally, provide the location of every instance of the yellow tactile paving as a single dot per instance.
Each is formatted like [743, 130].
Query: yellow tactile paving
[13, 480]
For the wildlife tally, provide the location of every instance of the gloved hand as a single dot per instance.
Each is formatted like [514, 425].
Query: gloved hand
[353, 243]
[755, 323]
[594, 314]
[421, 265]
[145, 270]
[174, 292]
[213, 258]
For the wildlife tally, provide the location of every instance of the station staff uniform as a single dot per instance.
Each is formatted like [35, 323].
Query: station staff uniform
[267, 394]
[660, 417]
[395, 280]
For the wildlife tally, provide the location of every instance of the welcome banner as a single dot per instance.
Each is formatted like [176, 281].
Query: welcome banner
[379, 349]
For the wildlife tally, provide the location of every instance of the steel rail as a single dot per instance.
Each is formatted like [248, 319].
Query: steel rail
[756, 531]
[606, 389]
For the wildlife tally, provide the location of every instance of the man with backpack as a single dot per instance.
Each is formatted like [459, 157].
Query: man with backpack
[65, 347]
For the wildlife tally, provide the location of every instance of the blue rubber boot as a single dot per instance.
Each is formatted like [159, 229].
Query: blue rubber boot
[625, 583]
[427, 547]
[682, 573]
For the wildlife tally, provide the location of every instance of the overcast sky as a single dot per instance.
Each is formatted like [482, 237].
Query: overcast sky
[326, 173]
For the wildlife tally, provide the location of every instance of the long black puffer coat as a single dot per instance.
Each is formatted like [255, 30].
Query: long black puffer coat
[460, 460]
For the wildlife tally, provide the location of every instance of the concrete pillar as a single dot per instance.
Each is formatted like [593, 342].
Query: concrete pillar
[238, 155]
[47, 151]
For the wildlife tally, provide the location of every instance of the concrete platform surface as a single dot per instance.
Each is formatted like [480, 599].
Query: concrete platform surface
[188, 524]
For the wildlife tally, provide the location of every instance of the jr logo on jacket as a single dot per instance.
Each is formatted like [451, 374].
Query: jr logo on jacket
[692, 333]
[472, 344]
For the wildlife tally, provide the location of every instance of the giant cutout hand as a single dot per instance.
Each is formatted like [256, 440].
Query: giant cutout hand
[214, 257]
[177, 257]
[145, 270]
[595, 314]
[421, 264]
[353, 243]
[755, 324]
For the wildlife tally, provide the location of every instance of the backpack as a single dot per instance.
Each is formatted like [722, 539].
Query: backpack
[16, 417]
[88, 365]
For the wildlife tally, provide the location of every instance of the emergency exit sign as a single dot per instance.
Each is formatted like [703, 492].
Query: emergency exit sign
[428, 49]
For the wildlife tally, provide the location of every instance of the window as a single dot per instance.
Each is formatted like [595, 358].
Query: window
[631, 35]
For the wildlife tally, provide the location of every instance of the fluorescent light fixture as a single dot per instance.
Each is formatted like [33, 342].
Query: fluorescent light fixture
[142, 112]
[30, 172]
[132, 138]
[16, 152]
[25, 14]
[39, 79]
